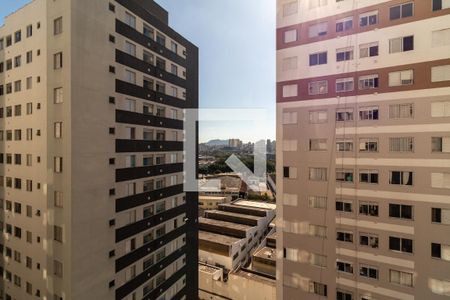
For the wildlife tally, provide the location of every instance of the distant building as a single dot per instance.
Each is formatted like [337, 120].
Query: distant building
[228, 236]
[93, 96]
[231, 186]
[235, 143]
[211, 202]
[363, 119]
[239, 285]
[264, 259]
[228, 239]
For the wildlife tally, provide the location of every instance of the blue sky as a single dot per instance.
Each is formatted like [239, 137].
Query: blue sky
[237, 58]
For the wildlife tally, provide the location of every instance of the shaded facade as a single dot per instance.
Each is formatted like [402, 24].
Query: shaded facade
[363, 90]
[92, 178]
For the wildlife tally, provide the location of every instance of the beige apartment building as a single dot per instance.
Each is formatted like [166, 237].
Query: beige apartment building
[363, 152]
[92, 99]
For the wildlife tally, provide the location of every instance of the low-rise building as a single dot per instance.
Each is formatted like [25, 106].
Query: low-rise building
[211, 202]
[229, 235]
[240, 285]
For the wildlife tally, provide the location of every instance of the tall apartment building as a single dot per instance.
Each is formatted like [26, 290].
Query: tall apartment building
[363, 124]
[92, 99]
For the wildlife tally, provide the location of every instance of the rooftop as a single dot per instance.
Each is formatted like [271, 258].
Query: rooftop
[224, 224]
[217, 238]
[266, 253]
[257, 277]
[208, 268]
[218, 198]
[255, 204]
[232, 214]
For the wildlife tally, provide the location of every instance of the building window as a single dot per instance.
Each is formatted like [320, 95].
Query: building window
[130, 105]
[290, 172]
[58, 199]
[290, 90]
[344, 175]
[174, 47]
[318, 87]
[401, 144]
[344, 236]
[368, 209]
[440, 216]
[440, 38]
[343, 145]
[368, 176]
[368, 82]
[344, 85]
[344, 24]
[317, 30]
[368, 113]
[401, 177]
[130, 48]
[344, 267]
[57, 268]
[440, 4]
[17, 36]
[130, 20]
[317, 144]
[130, 77]
[318, 117]
[401, 211]
[58, 130]
[402, 278]
[369, 240]
[440, 180]
[344, 114]
[58, 233]
[368, 271]
[160, 39]
[290, 8]
[440, 73]
[58, 95]
[289, 118]
[368, 50]
[318, 174]
[440, 251]
[368, 145]
[400, 244]
[17, 86]
[368, 19]
[344, 206]
[401, 11]
[58, 60]
[344, 295]
[58, 164]
[318, 58]
[17, 61]
[440, 144]
[344, 54]
[29, 57]
[290, 36]
[318, 288]
[401, 111]
[317, 202]
[401, 44]
[148, 32]
[57, 26]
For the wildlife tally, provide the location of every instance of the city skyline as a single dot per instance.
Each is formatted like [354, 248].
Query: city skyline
[247, 30]
[253, 82]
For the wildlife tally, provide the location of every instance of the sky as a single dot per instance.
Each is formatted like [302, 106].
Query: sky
[236, 40]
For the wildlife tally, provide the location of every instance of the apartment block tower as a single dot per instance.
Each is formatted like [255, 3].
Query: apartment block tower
[363, 132]
[92, 103]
